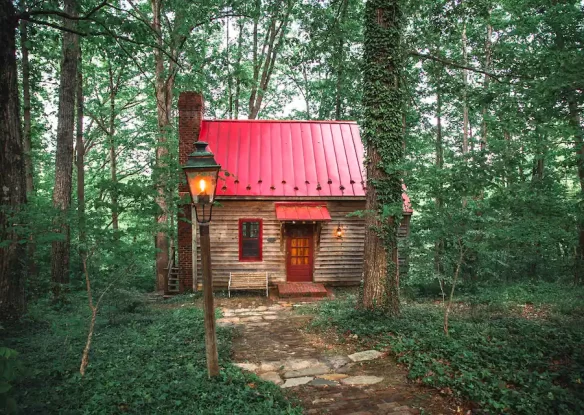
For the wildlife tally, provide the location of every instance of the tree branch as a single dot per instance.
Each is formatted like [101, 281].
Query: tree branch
[54, 26]
[59, 13]
[453, 64]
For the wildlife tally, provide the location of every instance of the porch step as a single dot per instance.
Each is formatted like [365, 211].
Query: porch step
[301, 289]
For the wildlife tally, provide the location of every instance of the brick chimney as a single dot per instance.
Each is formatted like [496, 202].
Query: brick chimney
[190, 116]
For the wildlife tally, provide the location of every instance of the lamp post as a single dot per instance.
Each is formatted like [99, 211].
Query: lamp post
[202, 171]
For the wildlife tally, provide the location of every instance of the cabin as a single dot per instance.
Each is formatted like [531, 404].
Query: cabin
[287, 199]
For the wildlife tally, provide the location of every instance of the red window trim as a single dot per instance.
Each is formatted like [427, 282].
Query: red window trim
[260, 237]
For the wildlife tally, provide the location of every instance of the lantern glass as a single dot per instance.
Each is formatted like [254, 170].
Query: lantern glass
[202, 185]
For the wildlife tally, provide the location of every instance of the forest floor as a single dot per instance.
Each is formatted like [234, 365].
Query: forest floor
[515, 349]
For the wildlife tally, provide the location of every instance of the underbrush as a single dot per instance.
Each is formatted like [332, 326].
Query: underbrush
[143, 360]
[496, 358]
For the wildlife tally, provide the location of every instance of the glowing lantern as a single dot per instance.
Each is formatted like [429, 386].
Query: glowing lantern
[202, 171]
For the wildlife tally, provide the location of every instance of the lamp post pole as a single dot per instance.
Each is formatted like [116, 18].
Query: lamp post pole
[201, 172]
[209, 309]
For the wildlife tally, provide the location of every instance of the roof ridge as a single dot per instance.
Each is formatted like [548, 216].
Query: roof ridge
[284, 121]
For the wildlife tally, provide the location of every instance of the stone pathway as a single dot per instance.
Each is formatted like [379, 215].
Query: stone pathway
[271, 342]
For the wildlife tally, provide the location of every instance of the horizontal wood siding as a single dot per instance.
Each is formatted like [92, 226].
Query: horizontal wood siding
[224, 234]
[340, 260]
[336, 261]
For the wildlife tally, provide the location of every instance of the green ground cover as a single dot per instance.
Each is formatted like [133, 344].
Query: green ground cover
[145, 360]
[517, 349]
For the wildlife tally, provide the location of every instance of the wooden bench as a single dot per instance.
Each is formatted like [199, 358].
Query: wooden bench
[248, 281]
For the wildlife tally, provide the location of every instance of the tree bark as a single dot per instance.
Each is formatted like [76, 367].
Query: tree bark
[112, 151]
[454, 280]
[464, 93]
[486, 80]
[576, 123]
[229, 75]
[163, 90]
[60, 251]
[439, 244]
[26, 106]
[27, 130]
[238, 68]
[12, 173]
[80, 161]
[383, 136]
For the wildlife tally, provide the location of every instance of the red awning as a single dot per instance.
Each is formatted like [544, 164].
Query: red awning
[302, 212]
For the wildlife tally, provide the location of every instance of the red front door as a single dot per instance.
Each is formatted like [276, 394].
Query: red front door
[299, 253]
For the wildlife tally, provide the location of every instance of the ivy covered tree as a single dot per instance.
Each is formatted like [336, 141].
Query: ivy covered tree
[383, 137]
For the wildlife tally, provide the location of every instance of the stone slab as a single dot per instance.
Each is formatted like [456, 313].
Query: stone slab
[361, 380]
[290, 383]
[309, 371]
[334, 376]
[270, 317]
[251, 318]
[322, 400]
[345, 369]
[335, 362]
[272, 377]
[270, 366]
[250, 367]
[365, 355]
[323, 383]
[227, 320]
[299, 364]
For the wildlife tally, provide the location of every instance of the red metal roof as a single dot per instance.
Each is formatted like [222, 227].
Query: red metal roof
[302, 211]
[272, 158]
[287, 158]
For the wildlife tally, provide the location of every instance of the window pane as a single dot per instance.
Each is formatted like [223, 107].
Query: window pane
[250, 229]
[250, 248]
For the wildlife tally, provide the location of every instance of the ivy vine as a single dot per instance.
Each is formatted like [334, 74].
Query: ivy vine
[383, 99]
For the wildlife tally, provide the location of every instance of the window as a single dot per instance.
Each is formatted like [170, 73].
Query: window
[250, 239]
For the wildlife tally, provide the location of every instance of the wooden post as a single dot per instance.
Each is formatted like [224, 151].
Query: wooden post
[210, 335]
[194, 274]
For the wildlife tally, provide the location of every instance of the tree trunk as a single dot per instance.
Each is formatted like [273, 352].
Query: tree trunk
[229, 75]
[60, 251]
[163, 90]
[464, 93]
[27, 130]
[486, 79]
[383, 136]
[271, 47]
[238, 68]
[454, 280]
[26, 106]
[12, 173]
[80, 162]
[576, 123]
[439, 244]
[340, 62]
[112, 152]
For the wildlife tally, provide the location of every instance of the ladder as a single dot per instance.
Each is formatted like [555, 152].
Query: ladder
[173, 282]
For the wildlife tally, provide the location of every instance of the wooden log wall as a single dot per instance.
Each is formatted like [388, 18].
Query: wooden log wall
[336, 261]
